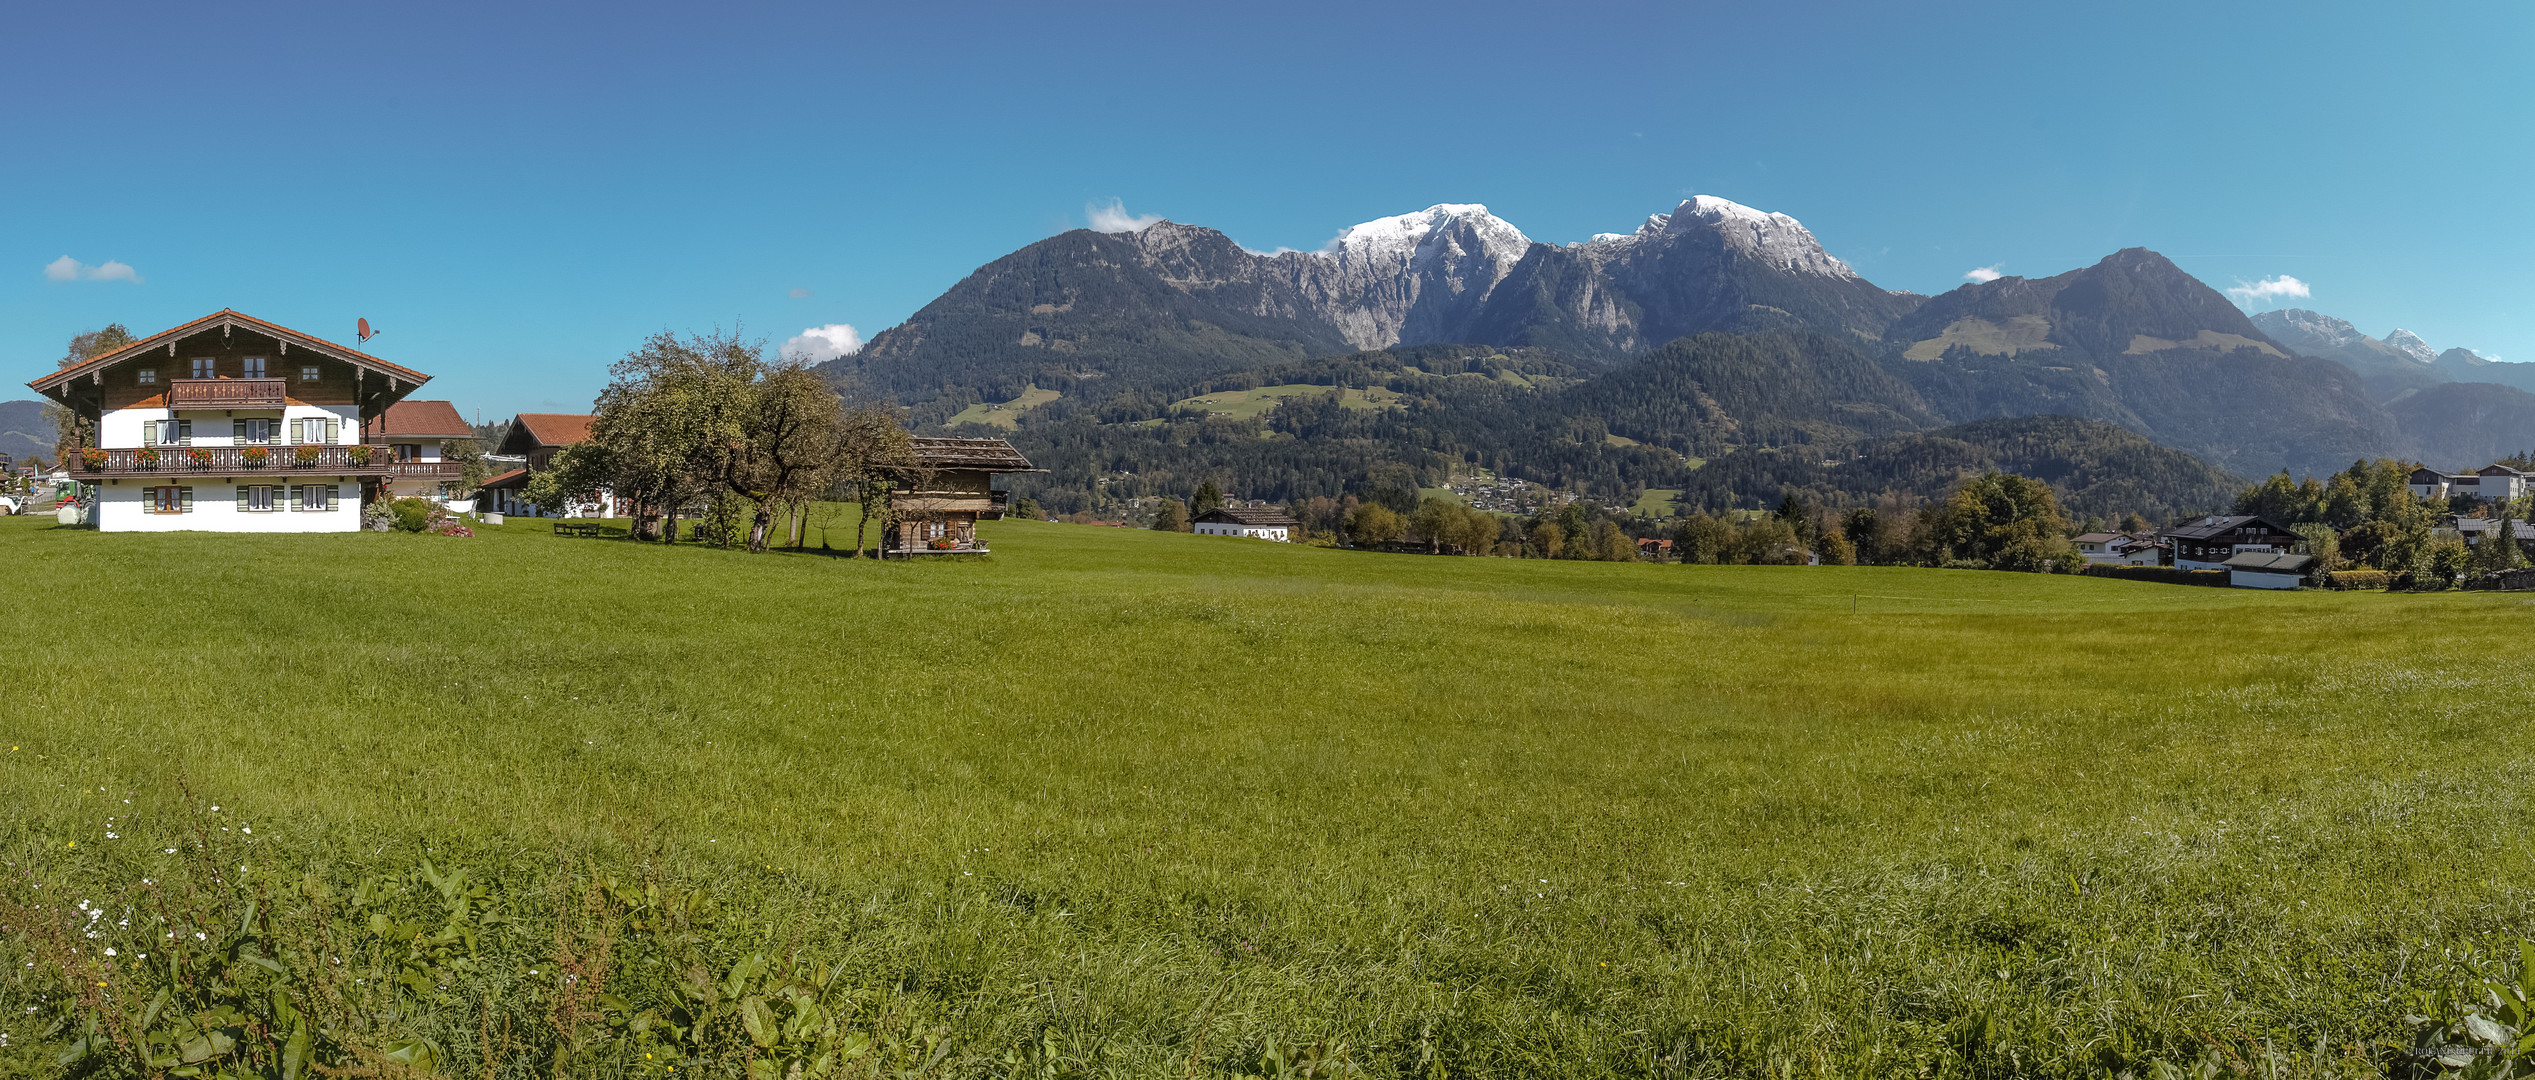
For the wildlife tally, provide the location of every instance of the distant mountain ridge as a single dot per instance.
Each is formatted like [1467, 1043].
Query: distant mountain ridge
[1181, 301]
[2135, 341]
[1108, 320]
[24, 431]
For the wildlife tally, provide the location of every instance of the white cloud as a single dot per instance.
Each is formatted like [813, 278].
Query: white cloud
[1983, 273]
[820, 344]
[70, 269]
[1114, 218]
[2269, 290]
[799, 294]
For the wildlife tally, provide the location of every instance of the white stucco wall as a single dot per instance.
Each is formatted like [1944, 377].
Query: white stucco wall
[122, 507]
[1251, 532]
[121, 428]
[2247, 579]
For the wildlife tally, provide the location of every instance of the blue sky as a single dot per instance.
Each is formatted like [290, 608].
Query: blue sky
[516, 193]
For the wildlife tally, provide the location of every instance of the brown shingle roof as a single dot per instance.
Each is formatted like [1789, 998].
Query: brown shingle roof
[991, 455]
[274, 330]
[1262, 516]
[423, 420]
[513, 478]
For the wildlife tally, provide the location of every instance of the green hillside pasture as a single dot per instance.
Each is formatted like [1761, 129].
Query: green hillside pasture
[1256, 401]
[1127, 803]
[1003, 414]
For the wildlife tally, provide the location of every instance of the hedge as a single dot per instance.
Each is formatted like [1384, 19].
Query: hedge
[2358, 579]
[2166, 574]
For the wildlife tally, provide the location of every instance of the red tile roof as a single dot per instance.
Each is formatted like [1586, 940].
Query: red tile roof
[513, 478]
[423, 420]
[275, 330]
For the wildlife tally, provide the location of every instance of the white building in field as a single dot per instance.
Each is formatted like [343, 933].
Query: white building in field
[233, 424]
[1257, 523]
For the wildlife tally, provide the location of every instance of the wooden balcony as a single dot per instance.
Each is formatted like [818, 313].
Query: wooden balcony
[225, 393]
[226, 461]
[419, 470]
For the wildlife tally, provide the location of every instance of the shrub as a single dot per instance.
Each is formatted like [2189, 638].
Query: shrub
[412, 514]
[2358, 579]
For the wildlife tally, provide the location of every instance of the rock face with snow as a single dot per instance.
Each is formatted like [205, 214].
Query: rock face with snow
[1185, 300]
[2389, 368]
[2410, 344]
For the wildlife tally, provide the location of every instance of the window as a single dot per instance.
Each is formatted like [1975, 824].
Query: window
[167, 500]
[255, 498]
[315, 497]
[257, 431]
[145, 376]
[167, 432]
[316, 430]
[406, 451]
[308, 374]
[255, 367]
[202, 367]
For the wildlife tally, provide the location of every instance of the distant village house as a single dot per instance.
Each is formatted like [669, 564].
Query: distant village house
[534, 439]
[1257, 523]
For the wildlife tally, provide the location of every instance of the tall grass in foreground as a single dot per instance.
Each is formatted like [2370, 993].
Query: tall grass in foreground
[1122, 803]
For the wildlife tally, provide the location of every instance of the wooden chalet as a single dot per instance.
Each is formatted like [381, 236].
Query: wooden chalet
[230, 423]
[535, 439]
[944, 489]
[2207, 543]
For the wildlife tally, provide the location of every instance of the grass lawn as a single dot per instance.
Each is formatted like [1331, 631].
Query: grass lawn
[1256, 401]
[1003, 414]
[1116, 802]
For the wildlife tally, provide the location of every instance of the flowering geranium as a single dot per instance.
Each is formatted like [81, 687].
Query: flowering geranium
[941, 543]
[146, 457]
[359, 454]
[306, 455]
[93, 458]
[255, 456]
[200, 456]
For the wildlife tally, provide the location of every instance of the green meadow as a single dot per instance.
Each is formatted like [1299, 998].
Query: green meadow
[1111, 802]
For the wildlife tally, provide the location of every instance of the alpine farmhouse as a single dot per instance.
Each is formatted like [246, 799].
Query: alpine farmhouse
[229, 423]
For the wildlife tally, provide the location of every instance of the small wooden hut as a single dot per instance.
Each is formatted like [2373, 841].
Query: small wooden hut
[945, 488]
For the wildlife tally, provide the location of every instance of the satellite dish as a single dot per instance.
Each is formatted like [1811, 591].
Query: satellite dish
[366, 332]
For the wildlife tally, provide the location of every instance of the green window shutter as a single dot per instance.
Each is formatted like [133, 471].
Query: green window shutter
[237, 433]
[298, 497]
[242, 490]
[334, 430]
[185, 432]
[185, 500]
[149, 433]
[341, 494]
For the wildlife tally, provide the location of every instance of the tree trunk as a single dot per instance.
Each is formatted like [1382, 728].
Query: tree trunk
[759, 524]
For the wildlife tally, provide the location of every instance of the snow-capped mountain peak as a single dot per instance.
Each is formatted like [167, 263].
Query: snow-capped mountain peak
[1409, 238]
[1776, 239]
[2411, 345]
